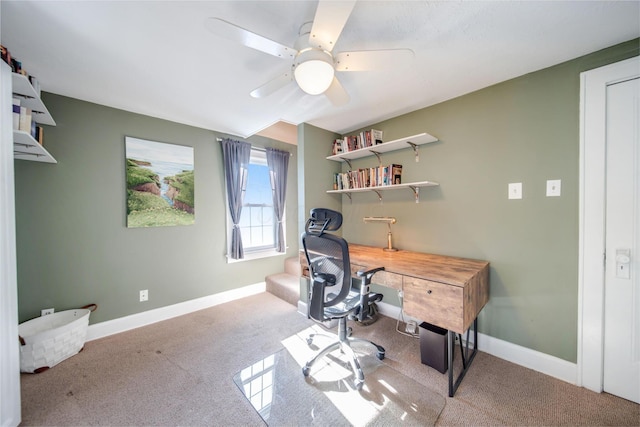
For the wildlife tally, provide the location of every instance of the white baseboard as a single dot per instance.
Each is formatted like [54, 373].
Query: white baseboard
[122, 324]
[523, 356]
[532, 359]
[541, 362]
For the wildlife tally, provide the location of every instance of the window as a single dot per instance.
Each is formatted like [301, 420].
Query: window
[257, 220]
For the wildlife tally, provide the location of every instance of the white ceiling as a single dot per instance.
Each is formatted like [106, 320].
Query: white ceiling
[158, 58]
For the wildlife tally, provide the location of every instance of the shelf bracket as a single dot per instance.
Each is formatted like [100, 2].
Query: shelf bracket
[349, 196]
[348, 162]
[416, 192]
[378, 156]
[379, 194]
[23, 96]
[24, 153]
[415, 150]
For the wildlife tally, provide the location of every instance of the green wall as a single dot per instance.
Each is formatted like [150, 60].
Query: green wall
[73, 244]
[312, 171]
[523, 130]
[74, 247]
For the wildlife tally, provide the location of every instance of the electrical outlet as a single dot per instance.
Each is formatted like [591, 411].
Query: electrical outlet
[411, 327]
[554, 187]
[46, 311]
[515, 190]
[144, 295]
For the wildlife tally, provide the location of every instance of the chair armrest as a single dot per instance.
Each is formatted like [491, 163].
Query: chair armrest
[367, 274]
[326, 279]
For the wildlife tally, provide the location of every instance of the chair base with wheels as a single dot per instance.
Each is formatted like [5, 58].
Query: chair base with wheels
[344, 344]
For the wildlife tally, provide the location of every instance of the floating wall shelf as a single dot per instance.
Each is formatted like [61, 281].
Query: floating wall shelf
[414, 186]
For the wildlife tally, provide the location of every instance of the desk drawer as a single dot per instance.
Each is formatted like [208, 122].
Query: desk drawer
[384, 278]
[434, 302]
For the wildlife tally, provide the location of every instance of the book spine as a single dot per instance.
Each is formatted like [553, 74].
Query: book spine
[396, 173]
[40, 135]
[376, 136]
[16, 113]
[25, 119]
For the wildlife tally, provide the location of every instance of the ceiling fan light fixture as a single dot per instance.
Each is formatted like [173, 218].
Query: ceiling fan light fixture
[313, 71]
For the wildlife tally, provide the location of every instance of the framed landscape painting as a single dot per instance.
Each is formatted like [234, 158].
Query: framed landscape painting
[160, 184]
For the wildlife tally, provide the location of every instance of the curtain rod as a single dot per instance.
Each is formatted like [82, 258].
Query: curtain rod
[258, 148]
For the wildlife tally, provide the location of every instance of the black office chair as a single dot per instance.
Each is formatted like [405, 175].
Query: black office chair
[333, 293]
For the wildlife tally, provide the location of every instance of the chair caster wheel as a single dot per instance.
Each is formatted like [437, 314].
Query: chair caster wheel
[380, 355]
[358, 384]
[305, 371]
[309, 341]
[349, 331]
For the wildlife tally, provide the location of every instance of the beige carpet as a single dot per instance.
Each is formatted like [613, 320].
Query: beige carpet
[179, 372]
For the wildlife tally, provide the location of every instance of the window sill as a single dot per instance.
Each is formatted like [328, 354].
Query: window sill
[256, 255]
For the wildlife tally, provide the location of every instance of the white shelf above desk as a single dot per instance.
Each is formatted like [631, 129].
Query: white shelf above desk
[398, 144]
[414, 186]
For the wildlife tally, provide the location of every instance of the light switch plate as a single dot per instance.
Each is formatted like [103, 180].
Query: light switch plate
[553, 187]
[515, 190]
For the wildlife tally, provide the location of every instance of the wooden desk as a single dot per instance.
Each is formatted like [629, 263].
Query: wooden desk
[445, 291]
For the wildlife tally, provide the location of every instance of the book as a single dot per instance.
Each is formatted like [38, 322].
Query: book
[376, 136]
[337, 147]
[396, 174]
[5, 54]
[16, 113]
[39, 135]
[25, 119]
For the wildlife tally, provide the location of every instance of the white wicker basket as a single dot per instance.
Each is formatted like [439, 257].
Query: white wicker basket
[48, 340]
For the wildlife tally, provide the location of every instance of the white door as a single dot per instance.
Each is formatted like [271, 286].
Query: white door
[622, 278]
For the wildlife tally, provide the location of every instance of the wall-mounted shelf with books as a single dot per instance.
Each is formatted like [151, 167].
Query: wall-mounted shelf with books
[29, 98]
[27, 148]
[414, 186]
[413, 141]
[398, 144]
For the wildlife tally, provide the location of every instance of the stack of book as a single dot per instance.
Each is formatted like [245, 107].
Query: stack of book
[364, 139]
[23, 116]
[16, 67]
[368, 177]
[23, 121]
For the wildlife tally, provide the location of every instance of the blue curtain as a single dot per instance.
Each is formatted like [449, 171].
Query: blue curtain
[236, 156]
[278, 162]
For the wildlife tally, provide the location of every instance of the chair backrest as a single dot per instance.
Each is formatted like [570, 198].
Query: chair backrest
[328, 259]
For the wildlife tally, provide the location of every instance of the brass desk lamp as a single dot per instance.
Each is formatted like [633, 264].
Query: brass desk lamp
[387, 220]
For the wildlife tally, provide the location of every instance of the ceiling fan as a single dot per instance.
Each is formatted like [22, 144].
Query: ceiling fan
[313, 63]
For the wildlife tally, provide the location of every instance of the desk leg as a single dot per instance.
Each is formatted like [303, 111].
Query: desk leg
[466, 363]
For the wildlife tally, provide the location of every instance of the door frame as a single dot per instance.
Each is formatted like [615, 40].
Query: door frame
[10, 414]
[592, 173]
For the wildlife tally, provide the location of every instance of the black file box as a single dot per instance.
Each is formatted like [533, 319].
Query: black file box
[433, 347]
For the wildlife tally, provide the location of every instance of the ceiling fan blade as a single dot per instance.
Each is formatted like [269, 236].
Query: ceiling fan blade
[237, 34]
[367, 60]
[336, 93]
[331, 16]
[272, 86]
